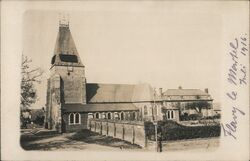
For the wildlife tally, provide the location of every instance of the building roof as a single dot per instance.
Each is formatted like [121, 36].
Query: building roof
[101, 93]
[65, 52]
[99, 107]
[185, 92]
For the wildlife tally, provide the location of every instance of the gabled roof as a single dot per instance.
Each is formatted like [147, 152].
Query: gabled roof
[99, 107]
[65, 52]
[185, 92]
[101, 93]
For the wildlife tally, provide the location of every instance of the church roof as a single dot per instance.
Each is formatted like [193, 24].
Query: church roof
[185, 92]
[101, 93]
[65, 52]
[101, 107]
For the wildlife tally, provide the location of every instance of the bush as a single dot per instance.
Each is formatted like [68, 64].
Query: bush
[187, 117]
[170, 130]
[39, 120]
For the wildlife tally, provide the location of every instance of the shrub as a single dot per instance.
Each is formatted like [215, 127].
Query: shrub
[170, 130]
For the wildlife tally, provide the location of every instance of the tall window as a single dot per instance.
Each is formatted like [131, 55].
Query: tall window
[74, 118]
[122, 115]
[145, 110]
[71, 118]
[97, 116]
[109, 115]
[170, 114]
[77, 118]
[133, 116]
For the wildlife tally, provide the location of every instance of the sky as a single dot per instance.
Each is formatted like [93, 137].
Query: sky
[162, 45]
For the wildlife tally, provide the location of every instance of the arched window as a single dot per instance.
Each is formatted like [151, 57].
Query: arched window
[71, 118]
[133, 116]
[145, 110]
[97, 116]
[122, 115]
[74, 118]
[109, 115]
[77, 118]
[172, 114]
[168, 114]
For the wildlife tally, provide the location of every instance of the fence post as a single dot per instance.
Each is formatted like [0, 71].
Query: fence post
[100, 127]
[114, 130]
[89, 121]
[133, 133]
[95, 126]
[107, 125]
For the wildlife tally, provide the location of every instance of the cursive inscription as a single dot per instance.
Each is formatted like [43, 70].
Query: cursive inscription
[236, 78]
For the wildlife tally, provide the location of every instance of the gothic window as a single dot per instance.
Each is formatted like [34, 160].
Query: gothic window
[172, 114]
[122, 115]
[145, 110]
[168, 114]
[74, 118]
[133, 116]
[109, 115]
[77, 118]
[97, 116]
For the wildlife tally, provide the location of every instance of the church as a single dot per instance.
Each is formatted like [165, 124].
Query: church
[72, 100]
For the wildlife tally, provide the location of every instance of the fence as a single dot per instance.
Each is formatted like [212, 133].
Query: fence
[131, 131]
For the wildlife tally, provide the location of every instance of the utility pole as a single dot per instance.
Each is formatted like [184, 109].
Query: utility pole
[155, 121]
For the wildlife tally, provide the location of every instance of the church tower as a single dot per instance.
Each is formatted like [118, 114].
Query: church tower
[67, 82]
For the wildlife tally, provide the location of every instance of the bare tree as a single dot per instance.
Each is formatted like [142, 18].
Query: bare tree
[30, 76]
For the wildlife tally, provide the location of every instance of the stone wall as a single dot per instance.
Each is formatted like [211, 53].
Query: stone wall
[73, 83]
[131, 131]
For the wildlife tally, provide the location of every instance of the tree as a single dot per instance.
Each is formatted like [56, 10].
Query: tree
[198, 105]
[30, 76]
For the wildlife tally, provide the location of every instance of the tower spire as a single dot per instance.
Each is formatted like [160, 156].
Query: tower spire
[63, 19]
[65, 52]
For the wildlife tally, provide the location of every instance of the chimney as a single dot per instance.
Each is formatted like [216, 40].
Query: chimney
[206, 90]
[180, 87]
[160, 91]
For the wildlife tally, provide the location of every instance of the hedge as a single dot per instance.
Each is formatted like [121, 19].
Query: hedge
[170, 130]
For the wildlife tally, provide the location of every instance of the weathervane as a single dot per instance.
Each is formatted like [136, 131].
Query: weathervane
[63, 19]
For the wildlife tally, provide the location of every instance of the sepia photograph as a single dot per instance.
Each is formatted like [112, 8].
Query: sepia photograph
[119, 112]
[126, 77]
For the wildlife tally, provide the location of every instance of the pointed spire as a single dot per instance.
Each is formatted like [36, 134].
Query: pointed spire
[65, 52]
[63, 19]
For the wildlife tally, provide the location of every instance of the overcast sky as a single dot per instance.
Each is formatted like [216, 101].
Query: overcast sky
[162, 45]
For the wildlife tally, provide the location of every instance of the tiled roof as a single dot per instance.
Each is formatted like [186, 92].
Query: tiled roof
[99, 93]
[185, 92]
[99, 107]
